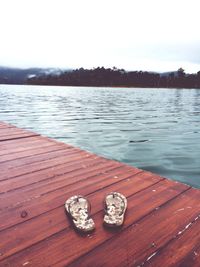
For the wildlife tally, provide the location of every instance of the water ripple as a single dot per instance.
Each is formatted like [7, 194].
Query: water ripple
[157, 130]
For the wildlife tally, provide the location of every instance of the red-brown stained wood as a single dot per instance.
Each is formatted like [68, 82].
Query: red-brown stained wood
[36, 166]
[142, 239]
[52, 173]
[60, 241]
[59, 151]
[39, 189]
[182, 250]
[18, 145]
[28, 147]
[16, 152]
[38, 174]
[56, 198]
[24, 143]
[42, 149]
[16, 136]
[59, 223]
[6, 125]
[12, 132]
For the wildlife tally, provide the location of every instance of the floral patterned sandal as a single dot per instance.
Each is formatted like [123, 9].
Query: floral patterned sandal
[78, 209]
[115, 206]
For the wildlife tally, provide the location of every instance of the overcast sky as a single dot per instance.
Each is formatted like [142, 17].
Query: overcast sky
[157, 35]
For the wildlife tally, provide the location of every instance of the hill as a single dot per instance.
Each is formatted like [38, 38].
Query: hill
[20, 76]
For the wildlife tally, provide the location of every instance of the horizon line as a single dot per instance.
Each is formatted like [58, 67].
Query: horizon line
[69, 68]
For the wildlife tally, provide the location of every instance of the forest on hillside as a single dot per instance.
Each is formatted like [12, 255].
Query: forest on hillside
[119, 77]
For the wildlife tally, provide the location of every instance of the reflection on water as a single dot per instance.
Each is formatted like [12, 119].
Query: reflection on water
[154, 129]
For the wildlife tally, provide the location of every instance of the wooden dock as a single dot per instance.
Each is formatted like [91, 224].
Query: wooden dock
[37, 175]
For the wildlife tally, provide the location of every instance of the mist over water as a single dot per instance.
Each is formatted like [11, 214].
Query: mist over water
[154, 129]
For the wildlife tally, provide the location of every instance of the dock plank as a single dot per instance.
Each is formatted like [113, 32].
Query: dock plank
[38, 174]
[175, 255]
[42, 149]
[36, 166]
[59, 151]
[39, 189]
[136, 245]
[59, 223]
[55, 198]
[30, 144]
[6, 125]
[59, 242]
[8, 146]
[16, 136]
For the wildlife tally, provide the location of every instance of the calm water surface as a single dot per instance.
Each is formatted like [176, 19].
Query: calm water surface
[154, 129]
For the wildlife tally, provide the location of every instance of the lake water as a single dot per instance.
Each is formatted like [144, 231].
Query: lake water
[154, 129]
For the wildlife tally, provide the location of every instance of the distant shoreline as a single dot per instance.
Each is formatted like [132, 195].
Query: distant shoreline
[101, 77]
[131, 87]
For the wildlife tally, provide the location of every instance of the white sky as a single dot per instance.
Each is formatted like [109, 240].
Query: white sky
[157, 35]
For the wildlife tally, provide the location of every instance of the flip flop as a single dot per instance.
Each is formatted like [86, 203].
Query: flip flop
[78, 209]
[115, 206]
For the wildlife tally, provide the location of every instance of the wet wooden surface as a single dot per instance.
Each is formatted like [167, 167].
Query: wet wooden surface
[37, 175]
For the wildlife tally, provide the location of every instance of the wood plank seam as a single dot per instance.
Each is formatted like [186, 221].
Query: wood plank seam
[28, 148]
[151, 198]
[53, 155]
[100, 190]
[71, 229]
[131, 176]
[69, 226]
[35, 164]
[54, 149]
[114, 168]
[22, 137]
[88, 160]
[36, 158]
[135, 222]
[88, 178]
[181, 232]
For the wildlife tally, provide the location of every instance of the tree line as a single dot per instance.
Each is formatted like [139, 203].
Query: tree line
[119, 78]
